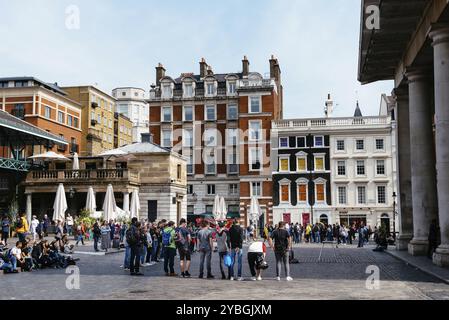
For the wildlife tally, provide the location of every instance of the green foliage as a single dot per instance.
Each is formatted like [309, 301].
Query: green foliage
[84, 214]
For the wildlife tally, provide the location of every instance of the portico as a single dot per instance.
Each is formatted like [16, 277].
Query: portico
[411, 47]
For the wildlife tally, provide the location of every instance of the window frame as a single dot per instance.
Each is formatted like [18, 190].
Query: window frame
[250, 158]
[297, 143]
[378, 194]
[260, 188]
[184, 118]
[250, 105]
[339, 195]
[163, 113]
[206, 108]
[280, 143]
[228, 113]
[315, 145]
[317, 156]
[338, 168]
[251, 130]
[357, 168]
[283, 158]
[299, 184]
[163, 138]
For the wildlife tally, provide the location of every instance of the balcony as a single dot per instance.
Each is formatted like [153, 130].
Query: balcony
[306, 124]
[87, 177]
[94, 134]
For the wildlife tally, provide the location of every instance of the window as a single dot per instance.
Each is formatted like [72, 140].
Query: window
[283, 142]
[301, 142]
[302, 192]
[234, 189]
[319, 163]
[256, 189]
[320, 192]
[190, 210]
[255, 104]
[190, 189]
[302, 164]
[380, 144]
[255, 158]
[167, 91]
[381, 195]
[232, 164]
[166, 114]
[210, 164]
[361, 195]
[188, 113]
[255, 128]
[190, 165]
[380, 167]
[210, 89]
[340, 145]
[284, 164]
[319, 141]
[69, 120]
[211, 189]
[92, 115]
[360, 167]
[19, 111]
[209, 209]
[188, 138]
[342, 197]
[179, 172]
[99, 119]
[360, 144]
[210, 137]
[233, 112]
[60, 117]
[341, 168]
[285, 193]
[167, 138]
[188, 90]
[232, 87]
[232, 137]
[47, 112]
[211, 114]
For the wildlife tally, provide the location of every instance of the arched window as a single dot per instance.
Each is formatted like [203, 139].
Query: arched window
[324, 219]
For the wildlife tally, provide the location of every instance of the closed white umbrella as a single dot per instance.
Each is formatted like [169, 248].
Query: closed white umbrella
[109, 205]
[60, 205]
[91, 203]
[135, 204]
[255, 211]
[216, 210]
[75, 162]
[223, 209]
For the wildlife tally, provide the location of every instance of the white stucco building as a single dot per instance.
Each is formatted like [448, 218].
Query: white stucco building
[131, 103]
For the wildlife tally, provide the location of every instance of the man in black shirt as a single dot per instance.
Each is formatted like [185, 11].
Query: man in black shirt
[236, 239]
[281, 247]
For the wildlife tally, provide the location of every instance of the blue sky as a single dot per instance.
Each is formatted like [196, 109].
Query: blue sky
[120, 42]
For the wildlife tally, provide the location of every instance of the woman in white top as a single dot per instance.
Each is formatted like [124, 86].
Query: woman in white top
[256, 254]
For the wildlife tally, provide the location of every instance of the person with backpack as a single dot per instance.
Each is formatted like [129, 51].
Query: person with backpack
[205, 245]
[6, 224]
[135, 242]
[236, 237]
[282, 246]
[183, 240]
[256, 257]
[168, 241]
[22, 227]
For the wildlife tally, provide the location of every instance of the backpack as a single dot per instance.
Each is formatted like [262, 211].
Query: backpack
[281, 245]
[131, 237]
[166, 237]
[180, 240]
[19, 224]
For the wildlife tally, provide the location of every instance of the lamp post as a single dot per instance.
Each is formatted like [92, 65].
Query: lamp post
[394, 215]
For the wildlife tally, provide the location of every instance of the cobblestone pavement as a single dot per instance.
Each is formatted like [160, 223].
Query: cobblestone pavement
[340, 274]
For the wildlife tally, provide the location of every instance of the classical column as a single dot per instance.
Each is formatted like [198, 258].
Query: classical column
[440, 37]
[29, 207]
[126, 202]
[422, 160]
[404, 170]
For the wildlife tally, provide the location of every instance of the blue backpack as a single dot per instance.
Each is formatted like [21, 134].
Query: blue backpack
[166, 237]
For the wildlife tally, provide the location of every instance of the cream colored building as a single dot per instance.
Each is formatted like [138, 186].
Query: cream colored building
[123, 130]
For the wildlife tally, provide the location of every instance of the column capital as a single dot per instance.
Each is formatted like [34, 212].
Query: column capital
[400, 93]
[439, 33]
[416, 74]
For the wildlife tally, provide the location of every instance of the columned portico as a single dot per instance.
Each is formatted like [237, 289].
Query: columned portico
[440, 37]
[404, 169]
[422, 159]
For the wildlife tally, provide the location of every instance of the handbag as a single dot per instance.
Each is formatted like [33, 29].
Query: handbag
[228, 260]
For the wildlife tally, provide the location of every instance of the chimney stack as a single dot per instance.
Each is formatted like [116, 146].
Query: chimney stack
[160, 73]
[203, 68]
[210, 72]
[245, 64]
[275, 70]
[328, 111]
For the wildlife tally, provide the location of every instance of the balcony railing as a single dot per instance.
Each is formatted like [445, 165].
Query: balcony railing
[89, 176]
[332, 122]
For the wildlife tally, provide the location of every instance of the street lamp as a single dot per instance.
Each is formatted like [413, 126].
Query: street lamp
[394, 215]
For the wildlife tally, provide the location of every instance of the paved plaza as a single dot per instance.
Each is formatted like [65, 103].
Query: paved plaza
[340, 274]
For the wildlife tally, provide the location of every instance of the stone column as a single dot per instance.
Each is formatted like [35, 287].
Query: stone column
[29, 208]
[440, 37]
[404, 180]
[422, 160]
[126, 202]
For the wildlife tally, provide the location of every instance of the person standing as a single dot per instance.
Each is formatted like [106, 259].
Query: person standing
[59, 232]
[135, 242]
[256, 254]
[361, 233]
[69, 224]
[205, 249]
[105, 236]
[282, 246]
[80, 234]
[46, 224]
[6, 224]
[168, 241]
[96, 235]
[33, 227]
[236, 237]
[183, 242]
[223, 249]
[22, 227]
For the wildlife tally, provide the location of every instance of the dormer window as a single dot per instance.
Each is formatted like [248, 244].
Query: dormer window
[210, 89]
[188, 91]
[167, 91]
[232, 88]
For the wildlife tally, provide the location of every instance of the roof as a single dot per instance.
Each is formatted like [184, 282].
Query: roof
[50, 86]
[358, 112]
[142, 147]
[21, 130]
[382, 49]
[221, 77]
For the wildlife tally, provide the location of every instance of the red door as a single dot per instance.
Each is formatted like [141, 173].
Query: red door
[305, 219]
[287, 218]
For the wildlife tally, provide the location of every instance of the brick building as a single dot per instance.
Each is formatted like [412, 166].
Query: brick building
[45, 106]
[221, 123]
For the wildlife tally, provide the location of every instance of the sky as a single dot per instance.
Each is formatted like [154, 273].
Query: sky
[119, 43]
